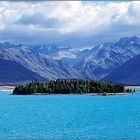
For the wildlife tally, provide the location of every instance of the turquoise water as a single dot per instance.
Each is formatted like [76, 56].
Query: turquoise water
[70, 116]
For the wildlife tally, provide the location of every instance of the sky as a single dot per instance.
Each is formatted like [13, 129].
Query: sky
[73, 23]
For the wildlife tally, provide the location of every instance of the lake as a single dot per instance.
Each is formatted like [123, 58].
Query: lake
[69, 116]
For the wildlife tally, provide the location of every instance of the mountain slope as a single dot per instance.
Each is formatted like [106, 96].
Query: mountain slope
[128, 73]
[38, 63]
[107, 57]
[12, 72]
[53, 62]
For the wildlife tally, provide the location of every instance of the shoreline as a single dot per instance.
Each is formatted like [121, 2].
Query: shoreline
[7, 88]
[88, 94]
[133, 87]
[108, 94]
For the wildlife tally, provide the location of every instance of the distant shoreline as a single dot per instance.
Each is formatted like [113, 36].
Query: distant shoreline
[88, 94]
[108, 94]
[7, 88]
[133, 87]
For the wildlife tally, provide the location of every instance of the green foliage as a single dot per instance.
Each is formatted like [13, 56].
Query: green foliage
[130, 90]
[69, 87]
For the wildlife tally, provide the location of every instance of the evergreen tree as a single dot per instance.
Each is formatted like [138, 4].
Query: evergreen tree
[70, 86]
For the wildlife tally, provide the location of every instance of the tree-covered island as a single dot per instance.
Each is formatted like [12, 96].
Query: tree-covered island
[72, 86]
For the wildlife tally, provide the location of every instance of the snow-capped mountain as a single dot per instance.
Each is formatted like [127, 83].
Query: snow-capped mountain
[40, 64]
[97, 62]
[53, 62]
[108, 56]
[73, 57]
[64, 53]
[7, 45]
[50, 49]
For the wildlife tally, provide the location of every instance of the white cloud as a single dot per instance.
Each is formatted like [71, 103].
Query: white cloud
[68, 21]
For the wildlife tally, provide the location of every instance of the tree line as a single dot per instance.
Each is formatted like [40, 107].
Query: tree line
[69, 87]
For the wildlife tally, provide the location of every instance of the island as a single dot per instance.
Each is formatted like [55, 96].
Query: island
[71, 86]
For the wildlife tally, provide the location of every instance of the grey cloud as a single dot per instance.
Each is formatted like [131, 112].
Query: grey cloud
[21, 32]
[38, 20]
[111, 33]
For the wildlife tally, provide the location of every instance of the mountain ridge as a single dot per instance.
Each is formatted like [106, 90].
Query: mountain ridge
[108, 56]
[64, 62]
[40, 64]
[128, 73]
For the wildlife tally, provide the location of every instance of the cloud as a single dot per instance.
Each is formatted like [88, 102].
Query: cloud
[68, 22]
[39, 21]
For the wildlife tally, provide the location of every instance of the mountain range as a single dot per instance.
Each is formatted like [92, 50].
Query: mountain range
[49, 61]
[128, 73]
[107, 57]
[41, 65]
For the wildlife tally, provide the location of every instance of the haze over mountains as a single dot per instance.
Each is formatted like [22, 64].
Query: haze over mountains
[49, 61]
